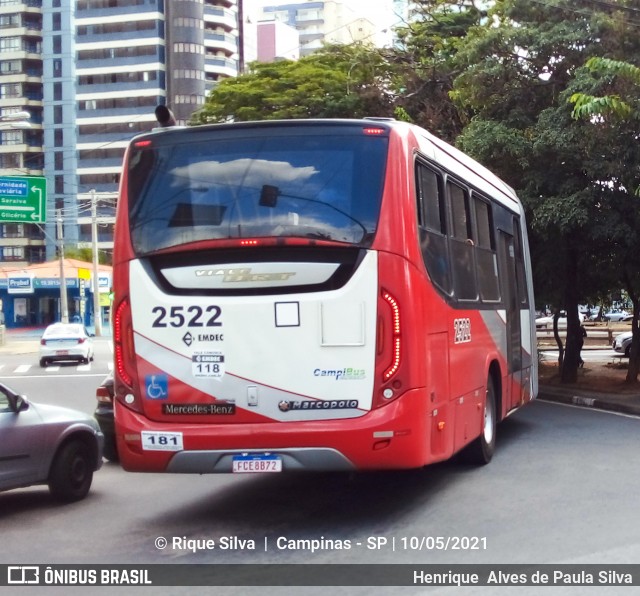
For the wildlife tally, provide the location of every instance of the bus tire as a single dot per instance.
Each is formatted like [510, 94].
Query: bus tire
[481, 450]
[71, 472]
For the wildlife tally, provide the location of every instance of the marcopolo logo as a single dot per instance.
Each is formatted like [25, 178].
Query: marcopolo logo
[329, 404]
[341, 374]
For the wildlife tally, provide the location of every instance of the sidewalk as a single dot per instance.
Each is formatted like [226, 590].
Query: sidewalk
[628, 403]
[623, 403]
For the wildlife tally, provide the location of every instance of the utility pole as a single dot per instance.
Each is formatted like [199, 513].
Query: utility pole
[64, 306]
[97, 313]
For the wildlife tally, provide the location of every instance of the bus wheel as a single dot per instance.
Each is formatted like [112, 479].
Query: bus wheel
[481, 450]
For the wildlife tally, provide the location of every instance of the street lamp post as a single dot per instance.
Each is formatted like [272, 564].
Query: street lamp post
[97, 313]
[64, 306]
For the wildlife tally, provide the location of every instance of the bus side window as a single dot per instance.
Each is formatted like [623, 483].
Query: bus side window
[486, 257]
[432, 227]
[462, 244]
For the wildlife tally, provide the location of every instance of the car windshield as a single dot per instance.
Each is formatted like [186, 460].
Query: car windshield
[317, 183]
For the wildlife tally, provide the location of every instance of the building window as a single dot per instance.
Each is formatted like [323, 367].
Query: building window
[10, 90]
[13, 253]
[9, 44]
[13, 231]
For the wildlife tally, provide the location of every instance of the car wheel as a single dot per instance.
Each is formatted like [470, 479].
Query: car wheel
[43, 362]
[481, 450]
[71, 472]
[627, 351]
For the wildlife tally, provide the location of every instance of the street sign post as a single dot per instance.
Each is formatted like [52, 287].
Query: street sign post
[23, 199]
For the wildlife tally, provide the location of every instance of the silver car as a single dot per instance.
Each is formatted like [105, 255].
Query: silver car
[42, 444]
[622, 343]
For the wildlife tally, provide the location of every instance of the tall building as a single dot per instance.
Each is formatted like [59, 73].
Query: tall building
[91, 72]
[21, 89]
[277, 41]
[320, 21]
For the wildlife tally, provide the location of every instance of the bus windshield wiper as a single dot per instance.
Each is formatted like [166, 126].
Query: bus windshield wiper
[269, 198]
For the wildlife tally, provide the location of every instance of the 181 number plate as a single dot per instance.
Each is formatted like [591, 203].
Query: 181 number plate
[247, 464]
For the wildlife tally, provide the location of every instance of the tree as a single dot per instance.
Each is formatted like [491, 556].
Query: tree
[616, 112]
[515, 72]
[338, 81]
[423, 66]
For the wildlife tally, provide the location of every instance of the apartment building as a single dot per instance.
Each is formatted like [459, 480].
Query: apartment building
[21, 150]
[320, 21]
[90, 72]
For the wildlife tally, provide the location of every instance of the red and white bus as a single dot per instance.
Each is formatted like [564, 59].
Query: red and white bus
[315, 295]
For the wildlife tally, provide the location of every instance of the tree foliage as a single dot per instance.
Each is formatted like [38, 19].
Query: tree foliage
[336, 82]
[519, 75]
[616, 112]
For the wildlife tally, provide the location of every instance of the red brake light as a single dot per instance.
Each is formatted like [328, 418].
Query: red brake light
[103, 395]
[373, 131]
[123, 340]
[395, 336]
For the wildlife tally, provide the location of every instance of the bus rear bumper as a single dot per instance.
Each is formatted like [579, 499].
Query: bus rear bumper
[392, 437]
[310, 460]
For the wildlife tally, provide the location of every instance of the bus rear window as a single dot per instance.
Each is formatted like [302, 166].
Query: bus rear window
[270, 183]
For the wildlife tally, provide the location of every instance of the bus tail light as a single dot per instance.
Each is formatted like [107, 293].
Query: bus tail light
[124, 351]
[389, 349]
[392, 369]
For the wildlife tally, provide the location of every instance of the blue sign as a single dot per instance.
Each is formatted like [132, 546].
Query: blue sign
[157, 386]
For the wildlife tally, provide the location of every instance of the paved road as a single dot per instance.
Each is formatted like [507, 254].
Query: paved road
[561, 489]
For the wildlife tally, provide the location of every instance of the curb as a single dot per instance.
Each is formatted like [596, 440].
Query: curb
[620, 404]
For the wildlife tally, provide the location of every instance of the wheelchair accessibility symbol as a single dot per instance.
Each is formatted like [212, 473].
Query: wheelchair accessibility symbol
[157, 386]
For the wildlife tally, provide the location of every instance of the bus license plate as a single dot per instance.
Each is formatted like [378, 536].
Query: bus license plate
[247, 464]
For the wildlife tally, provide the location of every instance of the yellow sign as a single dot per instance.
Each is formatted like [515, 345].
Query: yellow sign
[104, 299]
[84, 273]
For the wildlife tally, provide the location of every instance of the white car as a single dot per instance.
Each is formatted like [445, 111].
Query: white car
[43, 444]
[615, 316]
[66, 341]
[547, 322]
[622, 343]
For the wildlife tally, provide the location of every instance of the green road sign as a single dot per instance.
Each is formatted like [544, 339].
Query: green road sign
[23, 199]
